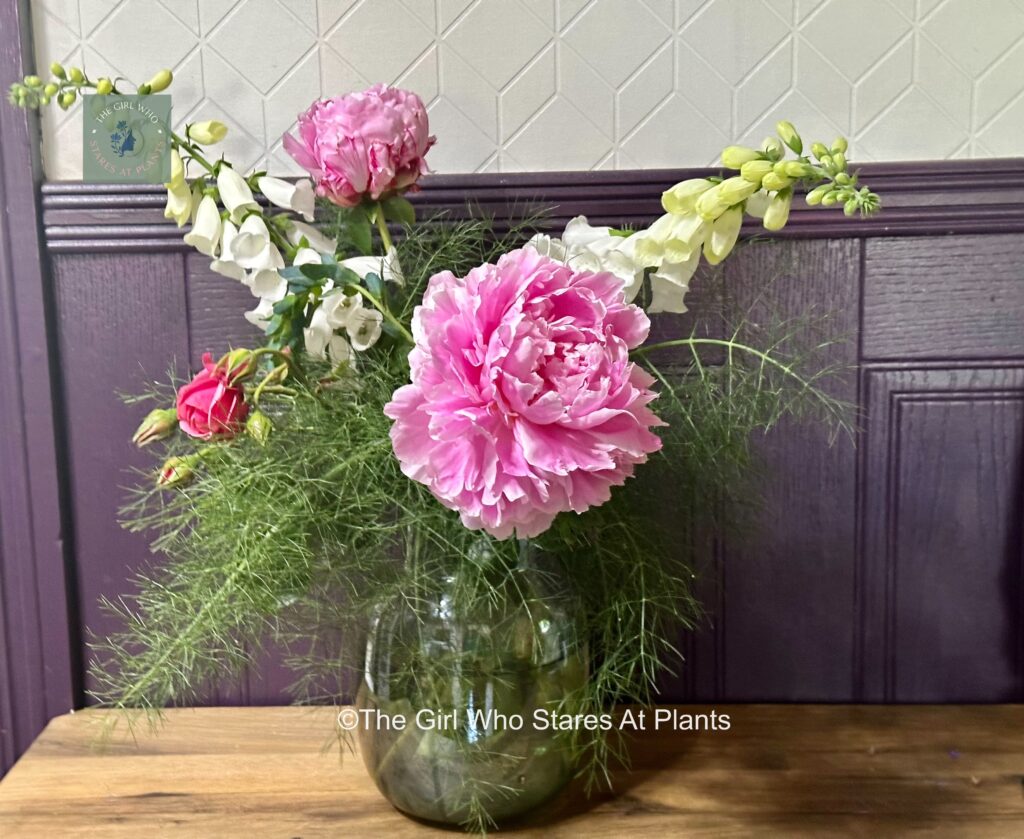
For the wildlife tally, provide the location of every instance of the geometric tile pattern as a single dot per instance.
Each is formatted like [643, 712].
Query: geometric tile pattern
[569, 84]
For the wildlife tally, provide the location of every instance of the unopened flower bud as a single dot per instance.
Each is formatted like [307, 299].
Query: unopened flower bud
[850, 207]
[798, 169]
[773, 148]
[158, 424]
[208, 132]
[777, 214]
[76, 75]
[177, 471]
[58, 70]
[33, 81]
[840, 145]
[789, 136]
[258, 426]
[50, 89]
[829, 199]
[67, 99]
[815, 196]
[839, 161]
[819, 150]
[844, 179]
[755, 170]
[826, 161]
[733, 157]
[239, 365]
[161, 81]
[683, 196]
[774, 181]
[710, 205]
[104, 87]
[44, 99]
[733, 190]
[143, 90]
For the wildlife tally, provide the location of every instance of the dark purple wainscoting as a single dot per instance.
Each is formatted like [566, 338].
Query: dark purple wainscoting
[886, 571]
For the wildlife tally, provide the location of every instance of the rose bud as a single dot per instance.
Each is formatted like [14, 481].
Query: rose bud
[259, 426]
[211, 405]
[158, 424]
[177, 471]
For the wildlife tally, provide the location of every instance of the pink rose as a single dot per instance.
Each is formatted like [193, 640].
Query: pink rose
[363, 145]
[212, 404]
[523, 401]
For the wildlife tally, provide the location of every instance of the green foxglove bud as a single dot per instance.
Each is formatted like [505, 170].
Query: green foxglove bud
[789, 136]
[829, 198]
[850, 207]
[773, 181]
[683, 196]
[161, 81]
[826, 161]
[33, 81]
[711, 205]
[58, 70]
[208, 132]
[104, 87]
[839, 161]
[67, 99]
[815, 195]
[733, 157]
[773, 148]
[777, 214]
[844, 179]
[755, 170]
[733, 190]
[143, 90]
[76, 75]
[718, 244]
[258, 426]
[158, 424]
[50, 89]
[798, 169]
[819, 150]
[840, 145]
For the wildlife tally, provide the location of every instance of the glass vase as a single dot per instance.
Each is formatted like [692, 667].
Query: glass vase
[473, 680]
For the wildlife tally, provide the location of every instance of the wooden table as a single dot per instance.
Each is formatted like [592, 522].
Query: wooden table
[781, 770]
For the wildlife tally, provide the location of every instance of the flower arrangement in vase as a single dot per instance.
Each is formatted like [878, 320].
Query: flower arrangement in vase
[442, 469]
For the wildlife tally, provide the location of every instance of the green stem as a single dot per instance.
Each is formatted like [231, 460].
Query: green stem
[380, 307]
[181, 143]
[272, 376]
[382, 228]
[730, 345]
[283, 358]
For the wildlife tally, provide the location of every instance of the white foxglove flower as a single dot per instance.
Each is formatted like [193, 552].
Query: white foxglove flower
[224, 265]
[386, 267]
[297, 230]
[267, 284]
[179, 196]
[322, 342]
[206, 227]
[339, 307]
[724, 232]
[589, 248]
[669, 285]
[252, 248]
[261, 315]
[364, 328]
[297, 196]
[306, 256]
[235, 193]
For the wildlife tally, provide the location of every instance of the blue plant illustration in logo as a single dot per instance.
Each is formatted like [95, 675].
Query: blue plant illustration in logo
[122, 141]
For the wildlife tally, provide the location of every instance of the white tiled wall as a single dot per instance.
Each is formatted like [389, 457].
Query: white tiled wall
[570, 84]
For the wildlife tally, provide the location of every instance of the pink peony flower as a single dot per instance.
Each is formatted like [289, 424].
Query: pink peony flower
[363, 145]
[523, 401]
[212, 405]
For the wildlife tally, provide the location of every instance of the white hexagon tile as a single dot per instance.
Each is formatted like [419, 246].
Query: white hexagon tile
[570, 84]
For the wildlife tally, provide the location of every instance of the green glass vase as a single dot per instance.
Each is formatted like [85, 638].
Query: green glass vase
[473, 686]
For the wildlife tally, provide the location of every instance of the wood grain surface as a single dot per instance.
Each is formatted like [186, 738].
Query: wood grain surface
[780, 770]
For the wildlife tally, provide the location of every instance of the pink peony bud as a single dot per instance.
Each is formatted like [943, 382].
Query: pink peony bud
[363, 145]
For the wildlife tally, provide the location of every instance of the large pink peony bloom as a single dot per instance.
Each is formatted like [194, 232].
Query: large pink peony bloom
[523, 401]
[363, 144]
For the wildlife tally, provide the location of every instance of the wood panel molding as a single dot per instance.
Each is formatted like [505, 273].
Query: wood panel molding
[920, 199]
[941, 576]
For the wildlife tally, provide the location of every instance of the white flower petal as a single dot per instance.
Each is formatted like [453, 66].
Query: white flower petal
[364, 328]
[206, 228]
[316, 240]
